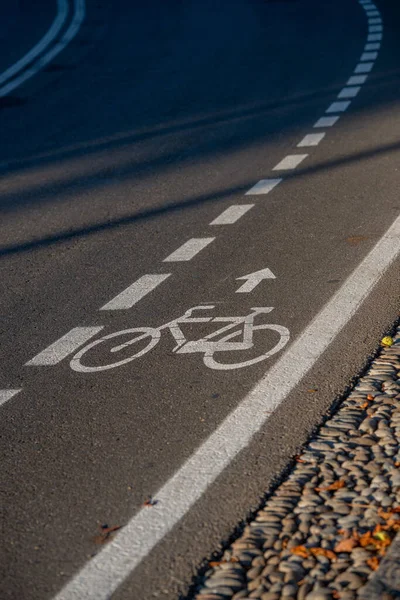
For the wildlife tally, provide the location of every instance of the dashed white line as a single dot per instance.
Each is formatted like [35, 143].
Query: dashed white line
[311, 139]
[372, 46]
[338, 106]
[189, 249]
[349, 92]
[291, 161]
[368, 56]
[375, 37]
[373, 13]
[374, 21]
[135, 292]
[232, 214]
[263, 187]
[6, 395]
[357, 79]
[375, 28]
[326, 121]
[68, 343]
[364, 67]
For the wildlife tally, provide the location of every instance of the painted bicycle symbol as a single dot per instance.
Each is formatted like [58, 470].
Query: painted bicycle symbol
[236, 335]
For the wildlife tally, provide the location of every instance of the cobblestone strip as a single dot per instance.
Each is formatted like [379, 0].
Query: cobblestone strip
[324, 531]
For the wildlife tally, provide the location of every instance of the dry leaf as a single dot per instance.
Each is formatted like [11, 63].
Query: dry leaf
[106, 534]
[322, 552]
[300, 551]
[312, 390]
[370, 397]
[373, 563]
[150, 502]
[356, 239]
[336, 595]
[336, 485]
[346, 545]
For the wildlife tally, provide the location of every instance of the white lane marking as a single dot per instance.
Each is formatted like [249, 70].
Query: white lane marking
[369, 56]
[189, 249]
[62, 12]
[5, 395]
[232, 214]
[349, 92]
[326, 121]
[357, 79]
[253, 279]
[311, 139]
[374, 21]
[372, 46]
[375, 37]
[375, 28]
[135, 292]
[102, 575]
[70, 33]
[338, 106]
[263, 187]
[68, 343]
[373, 13]
[364, 67]
[291, 161]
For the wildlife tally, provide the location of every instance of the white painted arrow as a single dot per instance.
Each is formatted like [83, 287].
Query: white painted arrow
[253, 279]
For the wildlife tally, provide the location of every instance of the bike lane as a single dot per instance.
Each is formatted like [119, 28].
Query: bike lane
[157, 386]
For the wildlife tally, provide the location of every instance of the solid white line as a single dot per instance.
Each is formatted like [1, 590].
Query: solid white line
[68, 343]
[375, 37]
[364, 67]
[135, 292]
[232, 214]
[338, 107]
[5, 395]
[311, 139]
[291, 161]
[102, 575]
[357, 79]
[326, 121]
[62, 12]
[263, 187]
[369, 56]
[349, 92]
[189, 249]
[71, 32]
[372, 46]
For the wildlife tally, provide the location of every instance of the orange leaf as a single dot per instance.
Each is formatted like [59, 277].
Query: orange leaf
[300, 551]
[346, 545]
[370, 397]
[336, 595]
[373, 563]
[322, 552]
[299, 460]
[336, 485]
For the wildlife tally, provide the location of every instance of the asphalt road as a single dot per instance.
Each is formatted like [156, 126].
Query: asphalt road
[158, 117]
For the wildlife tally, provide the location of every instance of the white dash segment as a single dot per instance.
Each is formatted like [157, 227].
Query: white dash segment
[368, 56]
[263, 187]
[375, 37]
[374, 21]
[232, 214]
[375, 29]
[349, 92]
[326, 121]
[357, 79]
[311, 139]
[100, 577]
[135, 292]
[6, 395]
[189, 249]
[364, 67]
[372, 46]
[67, 344]
[291, 161]
[373, 13]
[338, 106]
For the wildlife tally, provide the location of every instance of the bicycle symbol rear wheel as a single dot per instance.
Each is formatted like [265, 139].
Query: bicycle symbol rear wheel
[283, 332]
[144, 332]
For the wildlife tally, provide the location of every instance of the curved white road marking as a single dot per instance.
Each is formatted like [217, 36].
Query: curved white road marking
[67, 37]
[47, 39]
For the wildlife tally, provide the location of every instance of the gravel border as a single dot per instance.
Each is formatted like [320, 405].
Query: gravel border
[324, 531]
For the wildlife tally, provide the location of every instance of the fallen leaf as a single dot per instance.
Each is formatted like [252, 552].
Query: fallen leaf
[356, 239]
[387, 341]
[346, 545]
[106, 534]
[322, 552]
[370, 397]
[336, 595]
[300, 551]
[373, 563]
[312, 390]
[299, 460]
[150, 502]
[336, 485]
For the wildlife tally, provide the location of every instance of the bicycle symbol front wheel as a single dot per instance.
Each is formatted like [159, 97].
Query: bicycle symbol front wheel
[284, 336]
[79, 364]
